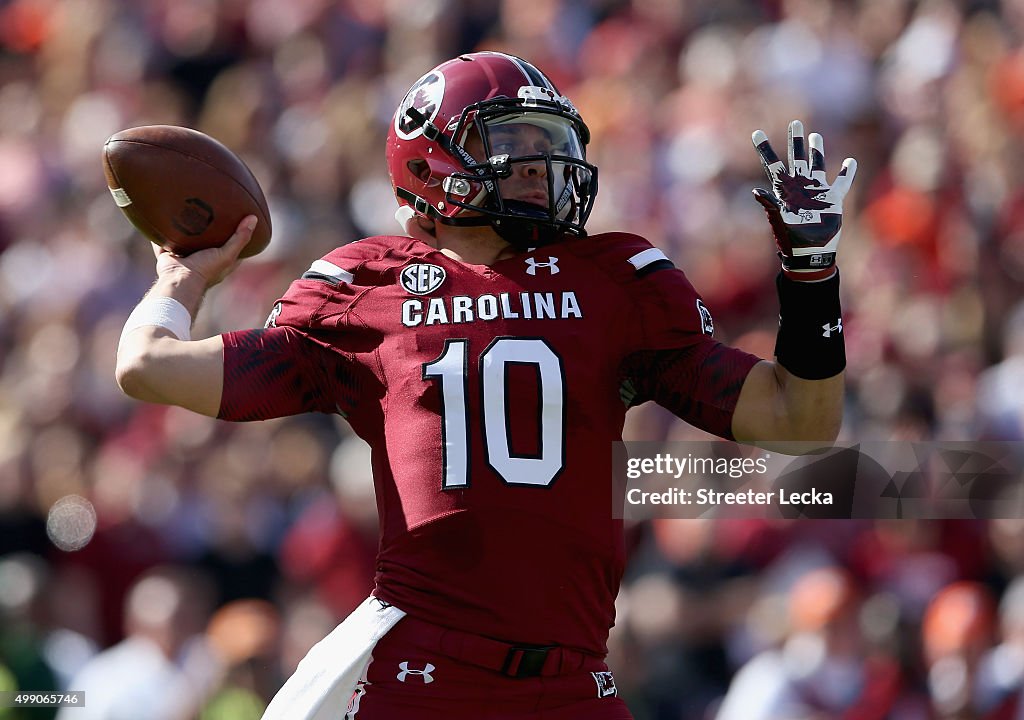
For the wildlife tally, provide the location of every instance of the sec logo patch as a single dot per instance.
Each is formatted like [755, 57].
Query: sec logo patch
[422, 278]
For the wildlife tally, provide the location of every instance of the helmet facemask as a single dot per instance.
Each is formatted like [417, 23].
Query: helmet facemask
[515, 134]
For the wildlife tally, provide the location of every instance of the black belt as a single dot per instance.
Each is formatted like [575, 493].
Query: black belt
[518, 661]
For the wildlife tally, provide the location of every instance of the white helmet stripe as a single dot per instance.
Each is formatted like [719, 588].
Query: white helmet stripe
[533, 76]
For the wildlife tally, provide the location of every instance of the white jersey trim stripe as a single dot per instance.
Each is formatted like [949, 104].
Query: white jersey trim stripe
[322, 267]
[645, 258]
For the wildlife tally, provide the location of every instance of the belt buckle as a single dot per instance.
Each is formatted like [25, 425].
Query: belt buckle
[530, 660]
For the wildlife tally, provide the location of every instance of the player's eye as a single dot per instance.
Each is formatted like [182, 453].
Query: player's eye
[516, 149]
[505, 147]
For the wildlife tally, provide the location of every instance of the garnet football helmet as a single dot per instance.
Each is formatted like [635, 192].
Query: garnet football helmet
[494, 101]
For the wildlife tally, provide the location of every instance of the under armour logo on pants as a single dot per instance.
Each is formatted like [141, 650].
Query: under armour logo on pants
[424, 673]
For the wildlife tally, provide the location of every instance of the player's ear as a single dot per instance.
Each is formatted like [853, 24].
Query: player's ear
[420, 226]
[417, 226]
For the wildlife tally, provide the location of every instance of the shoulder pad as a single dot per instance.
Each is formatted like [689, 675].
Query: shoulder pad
[361, 262]
[671, 311]
[327, 271]
[624, 256]
[324, 293]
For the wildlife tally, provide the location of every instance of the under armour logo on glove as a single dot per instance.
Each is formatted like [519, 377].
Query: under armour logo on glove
[829, 329]
[424, 673]
[805, 212]
[532, 265]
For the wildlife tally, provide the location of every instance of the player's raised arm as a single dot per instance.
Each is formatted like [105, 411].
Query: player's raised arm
[157, 361]
[799, 396]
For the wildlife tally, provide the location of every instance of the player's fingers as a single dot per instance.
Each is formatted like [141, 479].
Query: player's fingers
[797, 149]
[845, 178]
[772, 165]
[246, 226]
[817, 144]
[767, 199]
[241, 236]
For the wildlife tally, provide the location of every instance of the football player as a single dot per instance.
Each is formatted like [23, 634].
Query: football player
[489, 356]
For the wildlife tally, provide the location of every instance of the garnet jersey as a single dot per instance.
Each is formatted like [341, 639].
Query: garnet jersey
[491, 396]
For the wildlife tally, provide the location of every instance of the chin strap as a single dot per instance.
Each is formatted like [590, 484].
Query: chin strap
[422, 207]
[521, 233]
[527, 230]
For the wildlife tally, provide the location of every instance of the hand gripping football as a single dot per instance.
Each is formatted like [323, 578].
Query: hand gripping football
[182, 189]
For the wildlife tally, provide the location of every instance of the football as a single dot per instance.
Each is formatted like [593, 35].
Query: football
[182, 189]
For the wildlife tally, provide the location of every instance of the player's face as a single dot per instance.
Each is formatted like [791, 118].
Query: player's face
[528, 181]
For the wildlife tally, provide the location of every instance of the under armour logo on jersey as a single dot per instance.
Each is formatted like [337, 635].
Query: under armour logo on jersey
[424, 673]
[829, 329]
[532, 265]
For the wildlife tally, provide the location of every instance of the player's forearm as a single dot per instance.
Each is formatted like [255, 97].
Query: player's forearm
[155, 365]
[777, 406]
[799, 396]
[811, 410]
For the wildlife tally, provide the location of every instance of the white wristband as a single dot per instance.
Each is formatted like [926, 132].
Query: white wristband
[163, 312]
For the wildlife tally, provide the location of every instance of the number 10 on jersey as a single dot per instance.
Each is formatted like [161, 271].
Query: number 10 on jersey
[451, 371]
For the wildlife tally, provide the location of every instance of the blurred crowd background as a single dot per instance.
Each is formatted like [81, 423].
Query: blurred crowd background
[174, 566]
